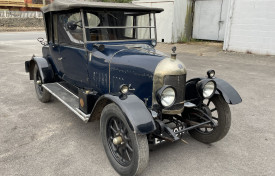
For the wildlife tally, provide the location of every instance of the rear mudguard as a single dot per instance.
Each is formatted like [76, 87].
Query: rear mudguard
[229, 94]
[44, 68]
[137, 115]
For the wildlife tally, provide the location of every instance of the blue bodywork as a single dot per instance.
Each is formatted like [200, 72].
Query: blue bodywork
[98, 65]
[137, 115]
[104, 71]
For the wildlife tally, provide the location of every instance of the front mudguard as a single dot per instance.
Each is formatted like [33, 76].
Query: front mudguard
[230, 95]
[45, 69]
[137, 115]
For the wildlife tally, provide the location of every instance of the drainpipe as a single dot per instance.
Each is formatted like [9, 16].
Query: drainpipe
[228, 24]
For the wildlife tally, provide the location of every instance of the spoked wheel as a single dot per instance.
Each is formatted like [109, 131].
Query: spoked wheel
[42, 94]
[119, 143]
[218, 109]
[127, 152]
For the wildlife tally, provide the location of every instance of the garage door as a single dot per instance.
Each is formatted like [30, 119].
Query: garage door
[209, 19]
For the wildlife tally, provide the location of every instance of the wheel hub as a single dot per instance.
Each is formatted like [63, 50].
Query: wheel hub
[38, 82]
[118, 140]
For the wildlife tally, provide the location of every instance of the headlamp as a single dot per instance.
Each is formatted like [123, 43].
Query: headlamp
[206, 88]
[166, 96]
[211, 73]
[124, 89]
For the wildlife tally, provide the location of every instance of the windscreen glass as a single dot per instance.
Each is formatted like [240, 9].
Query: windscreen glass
[117, 25]
[70, 28]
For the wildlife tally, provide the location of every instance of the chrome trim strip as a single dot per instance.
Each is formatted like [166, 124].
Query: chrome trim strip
[155, 24]
[84, 118]
[83, 29]
[115, 41]
[87, 116]
[118, 27]
[110, 66]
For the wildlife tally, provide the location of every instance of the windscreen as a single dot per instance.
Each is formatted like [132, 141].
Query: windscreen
[117, 25]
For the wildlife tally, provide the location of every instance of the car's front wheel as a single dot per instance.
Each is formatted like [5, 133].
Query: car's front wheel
[219, 110]
[42, 94]
[127, 152]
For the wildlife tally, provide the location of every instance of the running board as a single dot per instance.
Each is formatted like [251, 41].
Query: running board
[67, 98]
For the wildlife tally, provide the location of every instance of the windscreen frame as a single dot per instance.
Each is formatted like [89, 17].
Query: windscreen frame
[86, 27]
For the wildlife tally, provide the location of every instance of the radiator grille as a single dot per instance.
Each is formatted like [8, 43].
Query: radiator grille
[178, 82]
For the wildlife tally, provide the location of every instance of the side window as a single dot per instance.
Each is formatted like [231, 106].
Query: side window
[48, 27]
[93, 20]
[96, 34]
[69, 27]
[143, 20]
[129, 32]
[55, 33]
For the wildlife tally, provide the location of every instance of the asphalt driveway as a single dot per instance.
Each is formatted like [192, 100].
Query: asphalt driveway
[48, 139]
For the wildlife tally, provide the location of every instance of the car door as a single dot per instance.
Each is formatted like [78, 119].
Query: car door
[73, 55]
[53, 44]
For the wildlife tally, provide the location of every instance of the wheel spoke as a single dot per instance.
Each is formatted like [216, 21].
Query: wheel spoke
[126, 138]
[212, 110]
[208, 103]
[119, 150]
[129, 147]
[214, 118]
[123, 151]
[123, 129]
[114, 147]
[116, 124]
[127, 153]
[112, 128]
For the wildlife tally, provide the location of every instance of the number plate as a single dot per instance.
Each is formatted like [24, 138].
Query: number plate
[176, 129]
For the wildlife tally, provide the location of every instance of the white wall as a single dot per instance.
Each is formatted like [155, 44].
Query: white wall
[164, 19]
[251, 27]
[170, 22]
[182, 27]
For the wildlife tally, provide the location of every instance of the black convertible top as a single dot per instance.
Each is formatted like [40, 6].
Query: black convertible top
[59, 5]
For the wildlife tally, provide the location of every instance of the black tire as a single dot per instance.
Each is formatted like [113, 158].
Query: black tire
[223, 120]
[113, 122]
[42, 94]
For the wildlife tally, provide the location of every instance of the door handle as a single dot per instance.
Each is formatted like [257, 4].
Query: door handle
[60, 58]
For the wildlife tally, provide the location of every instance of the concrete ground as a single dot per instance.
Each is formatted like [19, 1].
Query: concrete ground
[48, 139]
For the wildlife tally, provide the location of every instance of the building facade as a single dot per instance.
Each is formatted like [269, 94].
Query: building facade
[23, 5]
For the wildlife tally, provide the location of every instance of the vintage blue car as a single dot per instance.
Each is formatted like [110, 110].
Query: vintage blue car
[99, 60]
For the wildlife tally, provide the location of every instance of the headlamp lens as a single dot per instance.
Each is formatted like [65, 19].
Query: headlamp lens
[168, 97]
[124, 89]
[208, 89]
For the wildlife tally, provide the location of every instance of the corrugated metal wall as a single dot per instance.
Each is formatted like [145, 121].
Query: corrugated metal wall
[251, 27]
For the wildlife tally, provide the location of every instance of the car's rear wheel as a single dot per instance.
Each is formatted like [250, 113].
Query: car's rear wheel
[42, 94]
[127, 152]
[220, 112]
